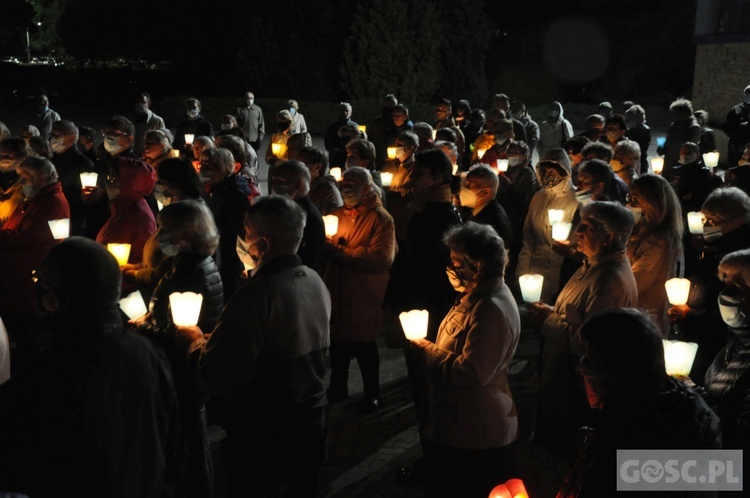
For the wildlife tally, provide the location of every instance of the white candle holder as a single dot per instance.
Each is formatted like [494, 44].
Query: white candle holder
[695, 222]
[414, 323]
[657, 165]
[331, 222]
[362, 128]
[121, 252]
[186, 307]
[678, 290]
[386, 178]
[336, 173]
[481, 153]
[189, 137]
[531, 287]
[561, 230]
[711, 159]
[277, 149]
[555, 215]
[133, 305]
[60, 228]
[88, 179]
[679, 357]
[391, 151]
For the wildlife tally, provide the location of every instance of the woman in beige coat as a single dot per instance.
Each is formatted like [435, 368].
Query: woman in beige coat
[357, 266]
[655, 246]
[472, 420]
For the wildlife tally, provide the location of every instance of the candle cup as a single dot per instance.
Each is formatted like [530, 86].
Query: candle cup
[121, 252]
[678, 290]
[695, 222]
[434, 134]
[60, 228]
[531, 287]
[502, 165]
[555, 215]
[414, 323]
[455, 169]
[362, 128]
[481, 153]
[391, 152]
[336, 173]
[189, 137]
[561, 230]
[386, 178]
[711, 159]
[186, 307]
[278, 149]
[679, 357]
[89, 179]
[133, 305]
[657, 165]
[331, 222]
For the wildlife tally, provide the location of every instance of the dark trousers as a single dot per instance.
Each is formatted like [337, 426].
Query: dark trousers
[366, 353]
[468, 473]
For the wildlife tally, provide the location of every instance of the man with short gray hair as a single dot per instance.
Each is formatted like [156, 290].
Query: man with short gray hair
[250, 119]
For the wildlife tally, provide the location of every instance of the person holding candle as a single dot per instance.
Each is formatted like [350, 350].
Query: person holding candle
[357, 270]
[655, 246]
[25, 239]
[97, 411]
[634, 403]
[277, 148]
[193, 124]
[727, 381]
[157, 147]
[361, 152]
[324, 189]
[684, 128]
[472, 421]
[502, 136]
[626, 160]
[335, 145]
[726, 229]
[604, 281]
[13, 151]
[189, 237]
[558, 192]
[266, 360]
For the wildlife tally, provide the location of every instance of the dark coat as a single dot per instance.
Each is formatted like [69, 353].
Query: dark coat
[69, 165]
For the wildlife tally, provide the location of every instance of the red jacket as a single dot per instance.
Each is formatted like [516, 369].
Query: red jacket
[25, 239]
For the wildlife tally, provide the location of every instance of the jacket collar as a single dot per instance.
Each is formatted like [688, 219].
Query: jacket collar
[276, 264]
[483, 288]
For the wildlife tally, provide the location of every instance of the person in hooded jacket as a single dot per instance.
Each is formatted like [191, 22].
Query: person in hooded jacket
[554, 130]
[558, 192]
[357, 264]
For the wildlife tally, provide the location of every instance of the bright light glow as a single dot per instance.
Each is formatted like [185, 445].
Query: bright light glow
[561, 230]
[336, 173]
[695, 222]
[186, 307]
[555, 215]
[362, 128]
[121, 252]
[133, 305]
[531, 287]
[678, 290]
[502, 165]
[331, 222]
[711, 159]
[481, 153]
[657, 164]
[60, 228]
[386, 178]
[391, 152]
[189, 137]
[414, 323]
[679, 357]
[89, 179]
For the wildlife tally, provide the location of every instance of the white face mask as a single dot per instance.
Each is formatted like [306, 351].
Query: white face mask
[584, 196]
[637, 212]
[192, 113]
[731, 311]
[166, 247]
[401, 154]
[514, 161]
[111, 144]
[458, 283]
[29, 191]
[225, 126]
[249, 262]
[58, 145]
[467, 197]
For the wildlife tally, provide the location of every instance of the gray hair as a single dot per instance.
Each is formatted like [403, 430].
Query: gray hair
[479, 243]
[279, 219]
[220, 159]
[631, 150]
[295, 172]
[729, 202]
[194, 224]
[610, 217]
[66, 126]
[484, 175]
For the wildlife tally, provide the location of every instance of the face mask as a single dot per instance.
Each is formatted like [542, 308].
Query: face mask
[401, 154]
[467, 197]
[554, 115]
[711, 233]
[550, 181]
[167, 248]
[29, 191]
[162, 199]
[351, 196]
[687, 159]
[192, 114]
[616, 165]
[113, 192]
[731, 311]
[637, 212]
[631, 124]
[249, 102]
[516, 115]
[225, 126]
[205, 178]
[111, 144]
[58, 145]
[249, 261]
[458, 283]
[282, 190]
[283, 126]
[584, 196]
[293, 111]
[350, 163]
[514, 161]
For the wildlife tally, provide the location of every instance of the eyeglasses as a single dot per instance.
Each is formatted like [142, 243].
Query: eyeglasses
[114, 133]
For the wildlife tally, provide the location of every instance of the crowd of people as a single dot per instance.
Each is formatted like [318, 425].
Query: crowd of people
[443, 216]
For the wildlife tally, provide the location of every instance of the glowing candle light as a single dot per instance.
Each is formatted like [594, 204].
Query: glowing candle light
[531, 287]
[391, 152]
[481, 153]
[695, 222]
[133, 305]
[60, 228]
[414, 323]
[561, 230]
[660, 141]
[189, 137]
[678, 290]
[711, 159]
[657, 164]
[386, 178]
[502, 165]
[121, 252]
[331, 222]
[679, 357]
[278, 149]
[89, 179]
[186, 307]
[555, 215]
[362, 128]
[336, 173]
[455, 169]
[434, 134]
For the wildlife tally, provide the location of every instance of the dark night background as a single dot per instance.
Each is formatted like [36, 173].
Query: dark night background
[331, 50]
